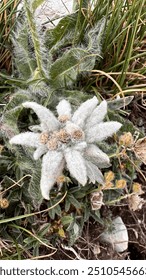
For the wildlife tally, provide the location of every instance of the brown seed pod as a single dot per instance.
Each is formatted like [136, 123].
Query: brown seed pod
[4, 203]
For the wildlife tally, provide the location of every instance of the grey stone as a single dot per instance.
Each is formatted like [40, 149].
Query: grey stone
[116, 235]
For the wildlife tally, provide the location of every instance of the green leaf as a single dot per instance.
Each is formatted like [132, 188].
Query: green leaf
[34, 185]
[67, 220]
[36, 3]
[127, 126]
[12, 113]
[74, 201]
[95, 37]
[64, 70]
[67, 204]
[24, 59]
[119, 103]
[96, 216]
[62, 34]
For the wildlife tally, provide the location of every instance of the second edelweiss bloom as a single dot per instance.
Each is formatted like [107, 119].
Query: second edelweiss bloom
[69, 141]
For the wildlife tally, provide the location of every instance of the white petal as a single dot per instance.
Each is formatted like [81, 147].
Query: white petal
[64, 108]
[52, 166]
[97, 115]
[29, 139]
[80, 146]
[47, 119]
[102, 131]
[84, 111]
[93, 173]
[41, 150]
[76, 165]
[35, 128]
[96, 156]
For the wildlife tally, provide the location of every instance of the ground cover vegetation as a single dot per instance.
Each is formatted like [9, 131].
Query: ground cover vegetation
[73, 109]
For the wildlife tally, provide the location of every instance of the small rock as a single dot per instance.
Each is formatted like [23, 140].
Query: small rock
[117, 235]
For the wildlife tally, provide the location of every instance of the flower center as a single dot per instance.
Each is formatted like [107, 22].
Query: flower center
[56, 139]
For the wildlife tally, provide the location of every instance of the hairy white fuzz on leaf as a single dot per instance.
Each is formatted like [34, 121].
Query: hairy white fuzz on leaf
[64, 108]
[93, 173]
[29, 139]
[97, 115]
[84, 111]
[52, 167]
[102, 131]
[41, 150]
[96, 156]
[48, 120]
[76, 165]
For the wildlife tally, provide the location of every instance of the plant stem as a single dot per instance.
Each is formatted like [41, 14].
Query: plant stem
[35, 39]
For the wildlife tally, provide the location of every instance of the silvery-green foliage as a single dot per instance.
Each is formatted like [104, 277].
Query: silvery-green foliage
[69, 142]
[119, 102]
[56, 57]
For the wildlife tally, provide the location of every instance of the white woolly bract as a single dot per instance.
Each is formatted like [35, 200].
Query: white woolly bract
[80, 146]
[96, 156]
[97, 115]
[35, 128]
[29, 139]
[40, 151]
[52, 166]
[47, 119]
[76, 165]
[102, 131]
[64, 108]
[93, 173]
[84, 111]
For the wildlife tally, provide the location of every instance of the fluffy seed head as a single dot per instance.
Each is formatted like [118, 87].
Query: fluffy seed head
[52, 144]
[44, 138]
[63, 118]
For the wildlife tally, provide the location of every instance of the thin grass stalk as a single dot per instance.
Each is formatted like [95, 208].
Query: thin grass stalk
[131, 43]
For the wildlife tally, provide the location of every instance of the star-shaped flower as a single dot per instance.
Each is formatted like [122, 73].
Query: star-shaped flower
[69, 142]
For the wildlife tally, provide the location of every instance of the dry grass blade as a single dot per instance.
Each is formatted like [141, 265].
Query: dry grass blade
[8, 9]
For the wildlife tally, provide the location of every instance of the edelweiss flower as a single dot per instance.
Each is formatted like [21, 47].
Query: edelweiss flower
[69, 141]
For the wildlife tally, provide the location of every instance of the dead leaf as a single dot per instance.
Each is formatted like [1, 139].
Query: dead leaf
[96, 199]
[135, 202]
[140, 149]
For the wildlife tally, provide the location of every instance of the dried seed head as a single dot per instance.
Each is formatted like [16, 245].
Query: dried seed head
[4, 203]
[44, 137]
[52, 144]
[109, 176]
[61, 179]
[137, 188]
[77, 135]
[126, 139]
[63, 136]
[140, 149]
[135, 202]
[96, 199]
[64, 118]
[121, 184]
